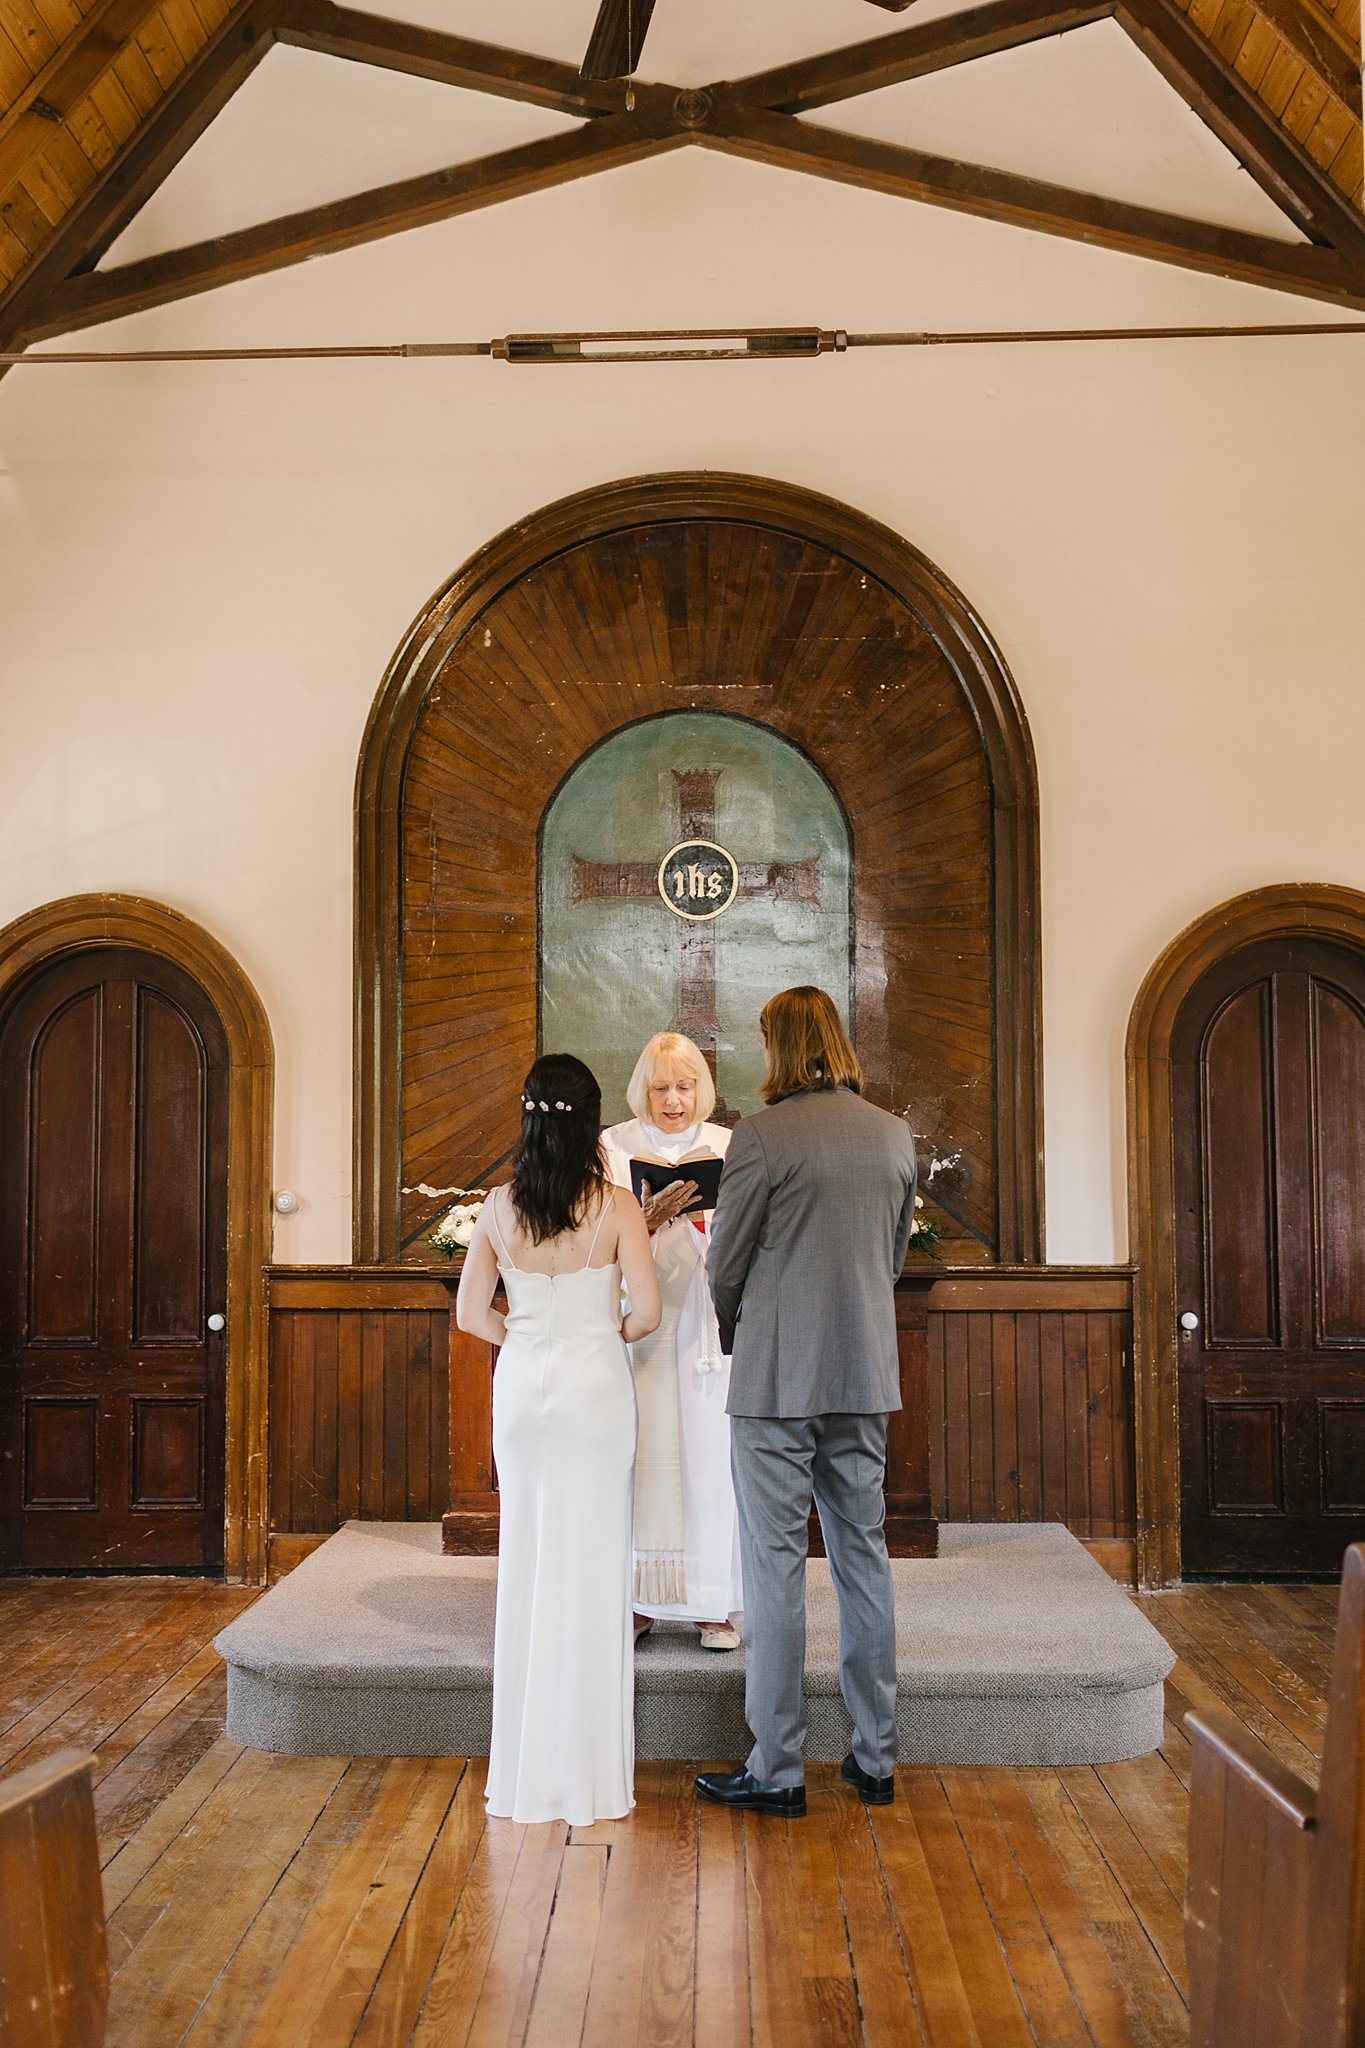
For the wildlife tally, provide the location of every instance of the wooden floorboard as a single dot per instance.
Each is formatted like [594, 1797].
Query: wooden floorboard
[303, 1902]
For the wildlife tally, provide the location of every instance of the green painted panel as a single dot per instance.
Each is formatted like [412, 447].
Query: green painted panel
[617, 964]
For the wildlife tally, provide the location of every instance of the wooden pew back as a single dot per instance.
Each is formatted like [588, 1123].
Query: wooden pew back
[54, 1967]
[1336, 1907]
[1274, 1912]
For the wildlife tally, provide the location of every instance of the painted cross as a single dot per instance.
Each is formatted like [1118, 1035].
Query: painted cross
[638, 881]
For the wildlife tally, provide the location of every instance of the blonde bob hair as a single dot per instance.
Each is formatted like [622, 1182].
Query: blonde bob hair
[667, 1056]
[807, 1046]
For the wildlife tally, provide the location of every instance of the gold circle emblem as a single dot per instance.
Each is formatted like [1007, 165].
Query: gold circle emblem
[698, 879]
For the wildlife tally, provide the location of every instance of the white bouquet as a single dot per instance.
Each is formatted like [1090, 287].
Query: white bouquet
[455, 1231]
[924, 1232]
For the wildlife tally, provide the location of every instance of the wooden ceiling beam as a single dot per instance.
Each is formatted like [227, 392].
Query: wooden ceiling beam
[754, 118]
[346, 223]
[27, 126]
[1025, 202]
[618, 38]
[202, 90]
[1245, 125]
[813, 82]
[448, 59]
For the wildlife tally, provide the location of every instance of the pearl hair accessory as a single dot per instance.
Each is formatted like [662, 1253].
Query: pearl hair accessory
[530, 1105]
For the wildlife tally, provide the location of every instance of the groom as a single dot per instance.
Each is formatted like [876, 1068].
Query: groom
[809, 1236]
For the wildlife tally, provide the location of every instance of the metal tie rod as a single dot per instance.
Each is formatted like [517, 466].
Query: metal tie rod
[776, 344]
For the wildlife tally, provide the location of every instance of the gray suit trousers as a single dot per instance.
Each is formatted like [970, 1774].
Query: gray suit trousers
[777, 1463]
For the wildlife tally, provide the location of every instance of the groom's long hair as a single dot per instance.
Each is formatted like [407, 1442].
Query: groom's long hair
[808, 1047]
[557, 1167]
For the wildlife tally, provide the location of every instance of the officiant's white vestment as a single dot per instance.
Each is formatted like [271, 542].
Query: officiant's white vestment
[687, 1529]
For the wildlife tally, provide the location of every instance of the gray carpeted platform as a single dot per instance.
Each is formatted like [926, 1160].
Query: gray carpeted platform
[1014, 1648]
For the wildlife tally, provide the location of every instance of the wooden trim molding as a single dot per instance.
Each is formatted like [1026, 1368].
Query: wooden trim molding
[286, 1552]
[977, 666]
[75, 924]
[1052, 1289]
[1118, 1555]
[1283, 911]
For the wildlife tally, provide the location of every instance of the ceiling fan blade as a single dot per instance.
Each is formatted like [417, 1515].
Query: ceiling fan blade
[618, 36]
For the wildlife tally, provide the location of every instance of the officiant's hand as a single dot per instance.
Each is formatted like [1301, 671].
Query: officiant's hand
[668, 1206]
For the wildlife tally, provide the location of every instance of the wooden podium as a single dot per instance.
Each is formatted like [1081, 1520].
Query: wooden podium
[470, 1525]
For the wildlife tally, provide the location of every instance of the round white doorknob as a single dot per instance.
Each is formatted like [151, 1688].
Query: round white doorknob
[217, 1323]
[286, 1203]
[1189, 1321]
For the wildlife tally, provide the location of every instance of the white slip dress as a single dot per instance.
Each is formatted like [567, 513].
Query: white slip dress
[563, 1745]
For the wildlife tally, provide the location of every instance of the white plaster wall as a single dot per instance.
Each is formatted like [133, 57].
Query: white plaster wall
[204, 572]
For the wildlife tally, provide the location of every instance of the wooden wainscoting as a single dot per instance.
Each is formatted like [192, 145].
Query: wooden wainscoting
[359, 1406]
[1031, 1398]
[1030, 1402]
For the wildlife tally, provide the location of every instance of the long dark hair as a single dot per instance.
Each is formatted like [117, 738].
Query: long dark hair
[557, 1166]
[808, 1047]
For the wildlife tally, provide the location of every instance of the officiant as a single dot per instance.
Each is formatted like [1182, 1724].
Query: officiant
[686, 1528]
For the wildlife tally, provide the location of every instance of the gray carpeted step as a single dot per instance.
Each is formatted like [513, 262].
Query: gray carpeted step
[1013, 1647]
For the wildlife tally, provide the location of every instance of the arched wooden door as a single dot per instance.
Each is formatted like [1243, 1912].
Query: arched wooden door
[113, 1237]
[1268, 1114]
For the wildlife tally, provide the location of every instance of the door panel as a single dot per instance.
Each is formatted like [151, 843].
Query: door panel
[1237, 1107]
[113, 1236]
[1342, 1424]
[61, 1454]
[1268, 1081]
[63, 1081]
[168, 1453]
[1246, 1473]
[168, 1238]
[1338, 1066]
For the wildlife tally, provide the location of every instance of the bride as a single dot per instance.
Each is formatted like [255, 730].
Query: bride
[562, 1238]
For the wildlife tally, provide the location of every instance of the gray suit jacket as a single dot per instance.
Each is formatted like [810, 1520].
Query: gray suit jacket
[807, 1242]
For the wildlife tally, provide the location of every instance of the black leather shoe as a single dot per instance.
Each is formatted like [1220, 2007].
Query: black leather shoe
[872, 1791]
[740, 1788]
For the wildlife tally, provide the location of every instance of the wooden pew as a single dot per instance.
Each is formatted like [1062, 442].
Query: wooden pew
[1275, 1901]
[54, 1964]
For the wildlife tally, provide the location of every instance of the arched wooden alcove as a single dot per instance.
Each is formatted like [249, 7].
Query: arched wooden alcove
[714, 593]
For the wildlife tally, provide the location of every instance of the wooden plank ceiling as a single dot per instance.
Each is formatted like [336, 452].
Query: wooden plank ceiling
[1302, 59]
[76, 83]
[100, 98]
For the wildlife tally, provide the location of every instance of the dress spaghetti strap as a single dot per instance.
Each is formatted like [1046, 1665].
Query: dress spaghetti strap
[501, 1244]
[607, 1200]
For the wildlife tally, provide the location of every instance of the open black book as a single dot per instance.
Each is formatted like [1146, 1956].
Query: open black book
[655, 1175]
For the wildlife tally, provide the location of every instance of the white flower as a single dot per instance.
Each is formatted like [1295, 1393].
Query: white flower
[919, 1201]
[456, 1227]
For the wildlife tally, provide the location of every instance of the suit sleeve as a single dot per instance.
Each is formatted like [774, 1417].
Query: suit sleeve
[740, 1208]
[907, 1215]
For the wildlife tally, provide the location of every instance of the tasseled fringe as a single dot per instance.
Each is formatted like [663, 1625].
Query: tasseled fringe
[660, 1578]
[711, 1358]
